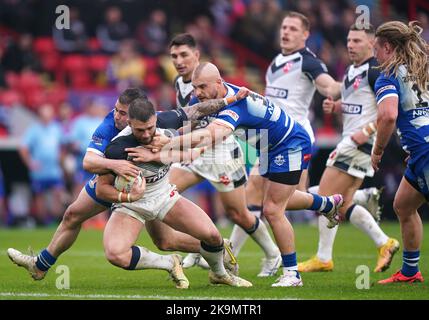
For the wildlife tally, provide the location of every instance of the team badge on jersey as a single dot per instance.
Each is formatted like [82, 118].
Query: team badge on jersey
[279, 160]
[287, 67]
[357, 82]
[224, 179]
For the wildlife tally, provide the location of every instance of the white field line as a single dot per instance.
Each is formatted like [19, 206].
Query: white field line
[123, 297]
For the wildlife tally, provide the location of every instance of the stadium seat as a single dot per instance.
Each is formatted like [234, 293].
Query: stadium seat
[94, 45]
[50, 62]
[9, 98]
[98, 63]
[44, 45]
[12, 80]
[56, 95]
[75, 70]
[29, 81]
[152, 78]
[74, 63]
[34, 98]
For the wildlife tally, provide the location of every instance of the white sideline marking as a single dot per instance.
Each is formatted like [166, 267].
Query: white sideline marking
[121, 297]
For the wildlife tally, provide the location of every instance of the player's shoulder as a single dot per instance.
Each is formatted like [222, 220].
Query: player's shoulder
[232, 88]
[108, 121]
[372, 62]
[177, 81]
[116, 148]
[311, 63]
[309, 55]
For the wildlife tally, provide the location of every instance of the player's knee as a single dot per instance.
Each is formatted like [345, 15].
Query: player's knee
[235, 214]
[400, 208]
[271, 211]
[213, 237]
[72, 217]
[163, 243]
[116, 257]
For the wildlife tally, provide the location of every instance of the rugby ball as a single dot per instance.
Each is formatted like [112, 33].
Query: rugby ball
[124, 185]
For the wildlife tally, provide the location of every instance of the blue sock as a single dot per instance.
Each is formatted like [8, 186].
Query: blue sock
[135, 257]
[45, 260]
[320, 203]
[289, 262]
[410, 264]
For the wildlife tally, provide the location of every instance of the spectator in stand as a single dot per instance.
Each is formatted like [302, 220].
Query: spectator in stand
[424, 23]
[2, 200]
[249, 27]
[4, 121]
[40, 150]
[73, 40]
[126, 69]
[81, 132]
[113, 31]
[20, 56]
[152, 35]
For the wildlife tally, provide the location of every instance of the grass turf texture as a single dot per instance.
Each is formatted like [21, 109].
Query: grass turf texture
[92, 277]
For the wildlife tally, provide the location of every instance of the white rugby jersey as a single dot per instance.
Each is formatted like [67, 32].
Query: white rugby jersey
[290, 82]
[221, 152]
[155, 173]
[358, 96]
[184, 91]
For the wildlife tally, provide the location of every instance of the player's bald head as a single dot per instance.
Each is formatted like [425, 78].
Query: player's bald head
[207, 82]
[206, 70]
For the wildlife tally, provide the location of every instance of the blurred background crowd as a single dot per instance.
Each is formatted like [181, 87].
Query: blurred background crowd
[56, 85]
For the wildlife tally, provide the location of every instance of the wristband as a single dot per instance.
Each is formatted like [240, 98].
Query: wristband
[129, 197]
[120, 197]
[365, 132]
[372, 126]
[229, 100]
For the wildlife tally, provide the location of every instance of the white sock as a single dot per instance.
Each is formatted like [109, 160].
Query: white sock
[238, 238]
[214, 257]
[360, 197]
[362, 219]
[326, 240]
[238, 235]
[152, 260]
[263, 239]
[314, 189]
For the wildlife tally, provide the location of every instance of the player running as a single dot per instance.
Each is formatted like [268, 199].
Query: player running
[403, 97]
[350, 162]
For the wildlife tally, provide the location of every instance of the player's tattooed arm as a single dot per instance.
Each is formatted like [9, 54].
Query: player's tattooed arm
[205, 108]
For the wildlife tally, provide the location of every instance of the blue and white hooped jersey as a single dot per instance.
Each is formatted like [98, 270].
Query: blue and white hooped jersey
[104, 133]
[265, 125]
[413, 113]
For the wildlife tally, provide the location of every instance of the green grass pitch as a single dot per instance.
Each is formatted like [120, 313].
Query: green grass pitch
[92, 277]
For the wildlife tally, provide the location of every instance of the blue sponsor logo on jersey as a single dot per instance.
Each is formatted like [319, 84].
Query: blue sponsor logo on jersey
[276, 92]
[350, 108]
[97, 140]
[420, 112]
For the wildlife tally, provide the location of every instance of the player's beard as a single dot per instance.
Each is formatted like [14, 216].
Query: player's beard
[145, 141]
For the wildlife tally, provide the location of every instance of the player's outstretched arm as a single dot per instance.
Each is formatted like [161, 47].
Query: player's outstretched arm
[97, 164]
[107, 192]
[165, 156]
[205, 108]
[208, 136]
[327, 86]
